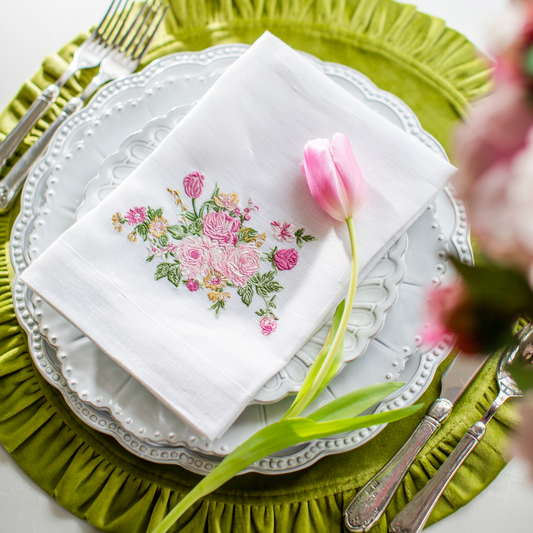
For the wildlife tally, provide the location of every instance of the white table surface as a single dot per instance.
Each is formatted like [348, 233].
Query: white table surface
[24, 507]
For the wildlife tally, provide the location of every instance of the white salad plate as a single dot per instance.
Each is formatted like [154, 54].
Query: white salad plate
[54, 192]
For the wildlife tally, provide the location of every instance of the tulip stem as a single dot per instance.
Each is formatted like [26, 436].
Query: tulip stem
[309, 395]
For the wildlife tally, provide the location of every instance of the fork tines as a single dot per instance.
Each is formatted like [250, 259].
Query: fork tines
[131, 39]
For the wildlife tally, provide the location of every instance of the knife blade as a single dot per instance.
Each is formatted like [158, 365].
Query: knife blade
[371, 501]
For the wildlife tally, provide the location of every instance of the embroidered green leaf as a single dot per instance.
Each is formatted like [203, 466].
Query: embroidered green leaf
[269, 256]
[215, 192]
[148, 259]
[142, 230]
[273, 286]
[178, 232]
[207, 206]
[163, 240]
[261, 291]
[174, 275]
[153, 213]
[301, 238]
[246, 293]
[195, 228]
[261, 312]
[189, 215]
[162, 270]
[256, 278]
[217, 306]
[269, 276]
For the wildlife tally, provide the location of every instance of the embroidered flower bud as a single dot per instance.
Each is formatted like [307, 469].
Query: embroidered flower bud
[333, 176]
[286, 259]
[193, 184]
[268, 325]
[192, 285]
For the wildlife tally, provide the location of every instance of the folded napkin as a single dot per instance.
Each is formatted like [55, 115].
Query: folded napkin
[211, 265]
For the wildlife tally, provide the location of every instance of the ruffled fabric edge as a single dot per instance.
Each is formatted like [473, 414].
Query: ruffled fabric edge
[422, 44]
[91, 475]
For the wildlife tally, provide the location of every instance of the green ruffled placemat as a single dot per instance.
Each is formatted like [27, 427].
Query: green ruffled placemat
[436, 72]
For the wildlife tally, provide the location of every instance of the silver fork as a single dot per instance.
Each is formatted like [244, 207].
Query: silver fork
[127, 50]
[88, 55]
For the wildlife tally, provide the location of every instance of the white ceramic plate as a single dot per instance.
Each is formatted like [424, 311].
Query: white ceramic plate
[52, 195]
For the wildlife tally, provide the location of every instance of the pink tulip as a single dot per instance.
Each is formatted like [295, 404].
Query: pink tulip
[333, 176]
[193, 184]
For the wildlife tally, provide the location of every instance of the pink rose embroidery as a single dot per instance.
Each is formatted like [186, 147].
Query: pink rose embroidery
[195, 255]
[137, 215]
[192, 285]
[286, 259]
[239, 264]
[221, 228]
[193, 184]
[268, 325]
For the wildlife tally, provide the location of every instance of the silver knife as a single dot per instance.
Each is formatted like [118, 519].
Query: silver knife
[371, 501]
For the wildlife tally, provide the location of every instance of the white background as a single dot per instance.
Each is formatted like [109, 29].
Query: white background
[31, 29]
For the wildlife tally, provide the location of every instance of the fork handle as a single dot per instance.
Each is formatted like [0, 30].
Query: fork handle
[39, 107]
[414, 515]
[371, 501]
[13, 182]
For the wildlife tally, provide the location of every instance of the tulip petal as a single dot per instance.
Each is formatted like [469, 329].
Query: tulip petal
[322, 178]
[349, 172]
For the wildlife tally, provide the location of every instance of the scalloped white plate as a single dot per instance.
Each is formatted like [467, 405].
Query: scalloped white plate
[52, 195]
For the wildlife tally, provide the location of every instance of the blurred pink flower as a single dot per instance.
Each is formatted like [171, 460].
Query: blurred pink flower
[450, 312]
[495, 131]
[500, 209]
[333, 176]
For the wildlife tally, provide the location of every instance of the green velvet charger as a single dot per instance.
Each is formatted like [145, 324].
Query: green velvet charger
[435, 71]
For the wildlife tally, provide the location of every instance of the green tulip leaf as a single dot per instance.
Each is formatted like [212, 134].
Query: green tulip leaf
[269, 440]
[299, 403]
[354, 403]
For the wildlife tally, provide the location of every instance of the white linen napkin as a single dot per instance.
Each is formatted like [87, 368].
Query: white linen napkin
[245, 138]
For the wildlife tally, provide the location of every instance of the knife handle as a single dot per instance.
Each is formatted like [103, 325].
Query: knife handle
[39, 107]
[371, 501]
[412, 518]
[13, 182]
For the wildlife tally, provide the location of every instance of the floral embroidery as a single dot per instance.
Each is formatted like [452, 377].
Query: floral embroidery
[268, 325]
[212, 248]
[283, 231]
[118, 221]
[137, 215]
[228, 201]
[158, 226]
